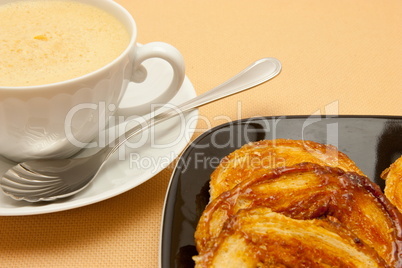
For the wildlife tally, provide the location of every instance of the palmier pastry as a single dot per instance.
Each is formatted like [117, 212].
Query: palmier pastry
[306, 191]
[255, 159]
[393, 183]
[258, 237]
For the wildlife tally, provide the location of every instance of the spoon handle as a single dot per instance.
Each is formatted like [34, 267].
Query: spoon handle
[255, 74]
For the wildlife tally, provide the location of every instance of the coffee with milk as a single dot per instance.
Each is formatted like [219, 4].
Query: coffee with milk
[44, 42]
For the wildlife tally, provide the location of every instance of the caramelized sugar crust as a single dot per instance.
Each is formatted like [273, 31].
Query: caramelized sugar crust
[393, 183]
[309, 191]
[255, 159]
[258, 237]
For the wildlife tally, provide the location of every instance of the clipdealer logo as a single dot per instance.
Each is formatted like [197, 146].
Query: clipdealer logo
[111, 129]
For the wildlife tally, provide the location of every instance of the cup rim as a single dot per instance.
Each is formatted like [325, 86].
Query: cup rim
[132, 30]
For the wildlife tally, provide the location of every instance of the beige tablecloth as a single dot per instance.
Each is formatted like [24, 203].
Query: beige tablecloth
[339, 57]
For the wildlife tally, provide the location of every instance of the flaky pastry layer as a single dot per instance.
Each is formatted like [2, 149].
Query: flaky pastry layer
[393, 183]
[309, 191]
[258, 237]
[255, 159]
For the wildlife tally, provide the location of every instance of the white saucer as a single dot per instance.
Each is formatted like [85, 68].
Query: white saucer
[160, 146]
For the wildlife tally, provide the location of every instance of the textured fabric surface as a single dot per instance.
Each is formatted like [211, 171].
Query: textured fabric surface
[339, 57]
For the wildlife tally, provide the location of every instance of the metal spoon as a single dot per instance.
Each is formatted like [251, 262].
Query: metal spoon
[50, 179]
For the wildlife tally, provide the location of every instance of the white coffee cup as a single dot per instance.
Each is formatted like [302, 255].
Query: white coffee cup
[40, 121]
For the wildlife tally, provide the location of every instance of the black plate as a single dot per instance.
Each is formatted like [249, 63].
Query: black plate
[372, 142]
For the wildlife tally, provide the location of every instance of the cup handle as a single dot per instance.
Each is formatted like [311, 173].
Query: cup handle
[156, 50]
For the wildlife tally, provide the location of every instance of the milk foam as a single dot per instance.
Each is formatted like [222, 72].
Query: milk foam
[43, 42]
